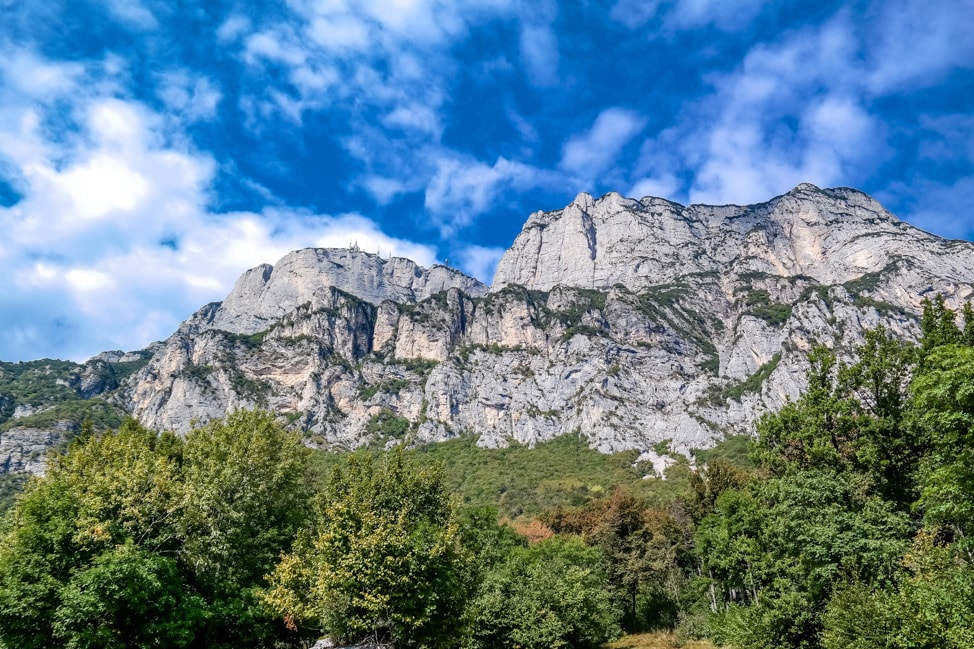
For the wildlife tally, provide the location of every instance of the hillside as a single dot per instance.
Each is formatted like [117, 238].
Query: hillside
[630, 322]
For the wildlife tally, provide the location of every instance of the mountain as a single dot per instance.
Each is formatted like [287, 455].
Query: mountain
[630, 322]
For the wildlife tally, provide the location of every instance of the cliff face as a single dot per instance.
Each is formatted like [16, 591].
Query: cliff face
[831, 236]
[631, 322]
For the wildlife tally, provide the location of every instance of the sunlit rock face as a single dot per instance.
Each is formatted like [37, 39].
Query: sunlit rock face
[627, 321]
[831, 236]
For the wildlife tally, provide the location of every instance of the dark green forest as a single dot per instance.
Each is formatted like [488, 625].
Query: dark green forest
[845, 523]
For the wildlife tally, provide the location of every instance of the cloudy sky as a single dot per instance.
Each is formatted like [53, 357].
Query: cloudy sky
[151, 151]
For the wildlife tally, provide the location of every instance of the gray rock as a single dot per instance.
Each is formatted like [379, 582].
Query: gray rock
[266, 293]
[26, 449]
[631, 322]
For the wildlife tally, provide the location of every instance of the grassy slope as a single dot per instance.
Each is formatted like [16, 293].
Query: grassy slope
[521, 481]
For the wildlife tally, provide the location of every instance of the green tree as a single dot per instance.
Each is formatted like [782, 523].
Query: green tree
[127, 597]
[931, 605]
[944, 409]
[141, 540]
[550, 595]
[938, 324]
[245, 493]
[777, 548]
[383, 558]
[64, 535]
[818, 430]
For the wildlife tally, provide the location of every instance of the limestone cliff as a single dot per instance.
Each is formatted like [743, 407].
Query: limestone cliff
[629, 321]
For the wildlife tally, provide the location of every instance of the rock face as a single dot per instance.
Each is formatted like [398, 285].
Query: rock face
[629, 321]
[266, 293]
[832, 236]
[25, 449]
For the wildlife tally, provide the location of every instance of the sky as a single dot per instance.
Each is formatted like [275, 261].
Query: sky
[151, 151]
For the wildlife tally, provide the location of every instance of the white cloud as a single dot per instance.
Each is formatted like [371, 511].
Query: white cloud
[277, 47]
[539, 54]
[113, 240]
[913, 43]
[479, 261]
[383, 189]
[193, 98]
[340, 33]
[133, 13]
[728, 15]
[100, 186]
[415, 117]
[791, 112]
[31, 77]
[590, 154]
[666, 186]
[634, 13]
[461, 189]
[232, 28]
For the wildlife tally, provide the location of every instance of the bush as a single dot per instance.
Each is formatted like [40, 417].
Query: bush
[551, 594]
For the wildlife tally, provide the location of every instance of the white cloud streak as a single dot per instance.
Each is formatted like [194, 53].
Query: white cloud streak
[590, 154]
[463, 188]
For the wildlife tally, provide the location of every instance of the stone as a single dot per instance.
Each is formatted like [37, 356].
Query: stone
[638, 324]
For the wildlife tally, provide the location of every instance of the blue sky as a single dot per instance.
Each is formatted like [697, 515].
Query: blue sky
[152, 151]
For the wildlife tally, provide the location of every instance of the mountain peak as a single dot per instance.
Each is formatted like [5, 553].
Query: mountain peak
[267, 292]
[804, 187]
[832, 235]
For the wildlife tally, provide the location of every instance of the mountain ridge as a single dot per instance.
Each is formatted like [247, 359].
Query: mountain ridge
[631, 322]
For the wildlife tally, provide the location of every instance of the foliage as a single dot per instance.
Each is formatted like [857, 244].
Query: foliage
[383, 558]
[74, 411]
[387, 424]
[51, 388]
[931, 604]
[523, 481]
[753, 382]
[135, 539]
[774, 314]
[37, 383]
[944, 401]
[737, 450]
[11, 485]
[127, 597]
[759, 305]
[388, 386]
[244, 494]
[658, 640]
[548, 595]
[817, 551]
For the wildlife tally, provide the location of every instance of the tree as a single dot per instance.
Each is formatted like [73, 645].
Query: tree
[776, 549]
[938, 325]
[944, 408]
[128, 597]
[105, 492]
[817, 431]
[141, 540]
[552, 594]
[382, 559]
[930, 606]
[244, 494]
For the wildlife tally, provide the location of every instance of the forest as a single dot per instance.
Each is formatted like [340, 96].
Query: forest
[846, 522]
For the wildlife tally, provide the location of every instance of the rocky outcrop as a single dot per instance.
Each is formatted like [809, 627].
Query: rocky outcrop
[631, 322]
[266, 293]
[832, 236]
[25, 449]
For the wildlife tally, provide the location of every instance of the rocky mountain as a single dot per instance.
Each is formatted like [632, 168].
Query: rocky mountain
[630, 322]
